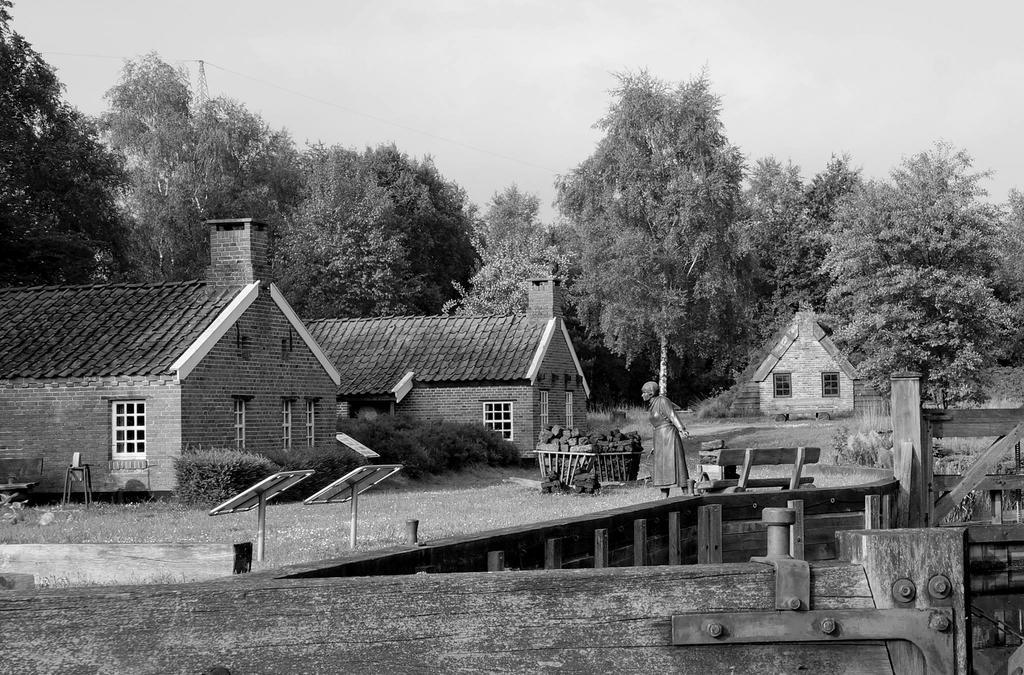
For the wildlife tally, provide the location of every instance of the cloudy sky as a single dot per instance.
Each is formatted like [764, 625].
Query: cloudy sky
[502, 92]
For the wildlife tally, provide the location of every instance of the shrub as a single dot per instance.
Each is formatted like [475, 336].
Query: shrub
[210, 476]
[329, 463]
[430, 447]
[862, 448]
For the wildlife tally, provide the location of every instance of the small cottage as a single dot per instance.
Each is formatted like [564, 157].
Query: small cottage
[801, 371]
[128, 375]
[514, 374]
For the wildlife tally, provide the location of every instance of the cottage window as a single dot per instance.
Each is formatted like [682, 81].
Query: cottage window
[544, 409]
[286, 424]
[128, 421]
[830, 384]
[783, 385]
[568, 409]
[240, 406]
[498, 416]
[310, 423]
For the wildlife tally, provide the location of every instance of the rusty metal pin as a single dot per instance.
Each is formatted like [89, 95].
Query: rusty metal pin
[714, 629]
[939, 586]
[828, 626]
[940, 623]
[904, 590]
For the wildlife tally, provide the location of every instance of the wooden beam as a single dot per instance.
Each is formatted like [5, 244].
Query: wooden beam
[872, 512]
[583, 620]
[675, 540]
[975, 473]
[553, 554]
[640, 542]
[601, 547]
[495, 561]
[911, 464]
[709, 534]
[953, 423]
[796, 530]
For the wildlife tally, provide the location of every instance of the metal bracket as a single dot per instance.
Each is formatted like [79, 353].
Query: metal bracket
[792, 582]
[930, 630]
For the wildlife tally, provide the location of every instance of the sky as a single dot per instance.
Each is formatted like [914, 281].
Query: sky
[503, 92]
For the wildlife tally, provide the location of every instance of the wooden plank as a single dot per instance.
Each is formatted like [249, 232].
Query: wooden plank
[907, 432]
[994, 481]
[796, 531]
[798, 466]
[473, 622]
[723, 483]
[761, 456]
[992, 422]
[553, 554]
[709, 534]
[675, 544]
[601, 547]
[86, 564]
[872, 512]
[495, 561]
[975, 473]
[640, 542]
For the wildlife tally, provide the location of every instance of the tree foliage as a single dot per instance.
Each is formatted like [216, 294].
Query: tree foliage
[376, 233]
[654, 207]
[913, 263]
[513, 245]
[58, 217]
[188, 161]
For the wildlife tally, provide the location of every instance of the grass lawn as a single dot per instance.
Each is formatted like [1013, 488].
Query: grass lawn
[471, 501]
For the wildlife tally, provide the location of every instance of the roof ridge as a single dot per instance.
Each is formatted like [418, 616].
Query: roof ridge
[116, 285]
[389, 317]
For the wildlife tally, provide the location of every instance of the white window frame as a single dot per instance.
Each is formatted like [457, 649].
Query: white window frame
[286, 423]
[569, 417]
[310, 423]
[240, 409]
[128, 420]
[838, 384]
[545, 410]
[500, 416]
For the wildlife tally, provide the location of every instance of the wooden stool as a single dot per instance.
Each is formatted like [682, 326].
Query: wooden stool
[77, 472]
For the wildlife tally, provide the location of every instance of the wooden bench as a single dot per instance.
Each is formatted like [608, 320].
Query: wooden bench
[719, 462]
[822, 411]
[18, 475]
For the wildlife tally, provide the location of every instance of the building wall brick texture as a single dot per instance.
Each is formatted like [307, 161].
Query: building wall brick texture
[263, 358]
[806, 360]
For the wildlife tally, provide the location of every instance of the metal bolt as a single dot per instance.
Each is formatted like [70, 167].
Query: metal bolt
[940, 622]
[939, 586]
[714, 629]
[904, 590]
[793, 603]
[828, 626]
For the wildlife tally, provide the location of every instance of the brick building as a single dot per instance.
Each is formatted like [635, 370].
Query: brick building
[129, 374]
[801, 371]
[511, 373]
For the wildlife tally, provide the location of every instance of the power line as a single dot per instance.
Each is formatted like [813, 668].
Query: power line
[351, 111]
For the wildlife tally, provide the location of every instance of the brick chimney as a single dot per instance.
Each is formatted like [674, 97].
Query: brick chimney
[239, 253]
[545, 298]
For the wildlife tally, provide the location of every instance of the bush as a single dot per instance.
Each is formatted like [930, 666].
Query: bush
[861, 448]
[430, 447]
[329, 463]
[207, 477]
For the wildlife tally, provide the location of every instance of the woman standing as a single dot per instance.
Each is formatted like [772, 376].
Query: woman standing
[669, 461]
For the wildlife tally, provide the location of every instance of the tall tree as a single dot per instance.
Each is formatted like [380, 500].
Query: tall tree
[376, 233]
[654, 206]
[513, 245]
[913, 263]
[58, 217]
[188, 162]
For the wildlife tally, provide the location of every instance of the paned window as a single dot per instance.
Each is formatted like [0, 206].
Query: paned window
[783, 385]
[128, 423]
[568, 409]
[310, 423]
[240, 406]
[544, 409]
[286, 424]
[830, 384]
[498, 416]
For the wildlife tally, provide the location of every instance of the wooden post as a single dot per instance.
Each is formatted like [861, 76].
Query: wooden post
[640, 542]
[872, 512]
[355, 517]
[261, 526]
[495, 561]
[675, 540]
[601, 547]
[997, 506]
[887, 514]
[709, 534]
[553, 554]
[912, 457]
[796, 530]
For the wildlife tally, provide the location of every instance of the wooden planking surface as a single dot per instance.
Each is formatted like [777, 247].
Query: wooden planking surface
[83, 564]
[953, 423]
[762, 456]
[571, 620]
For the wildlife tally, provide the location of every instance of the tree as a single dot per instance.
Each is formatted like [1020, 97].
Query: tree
[654, 207]
[188, 162]
[58, 217]
[512, 246]
[912, 263]
[375, 233]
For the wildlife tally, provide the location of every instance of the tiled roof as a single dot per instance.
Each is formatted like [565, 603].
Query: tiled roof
[101, 330]
[374, 354]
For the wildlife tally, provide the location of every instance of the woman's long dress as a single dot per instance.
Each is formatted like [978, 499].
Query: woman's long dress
[669, 461]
